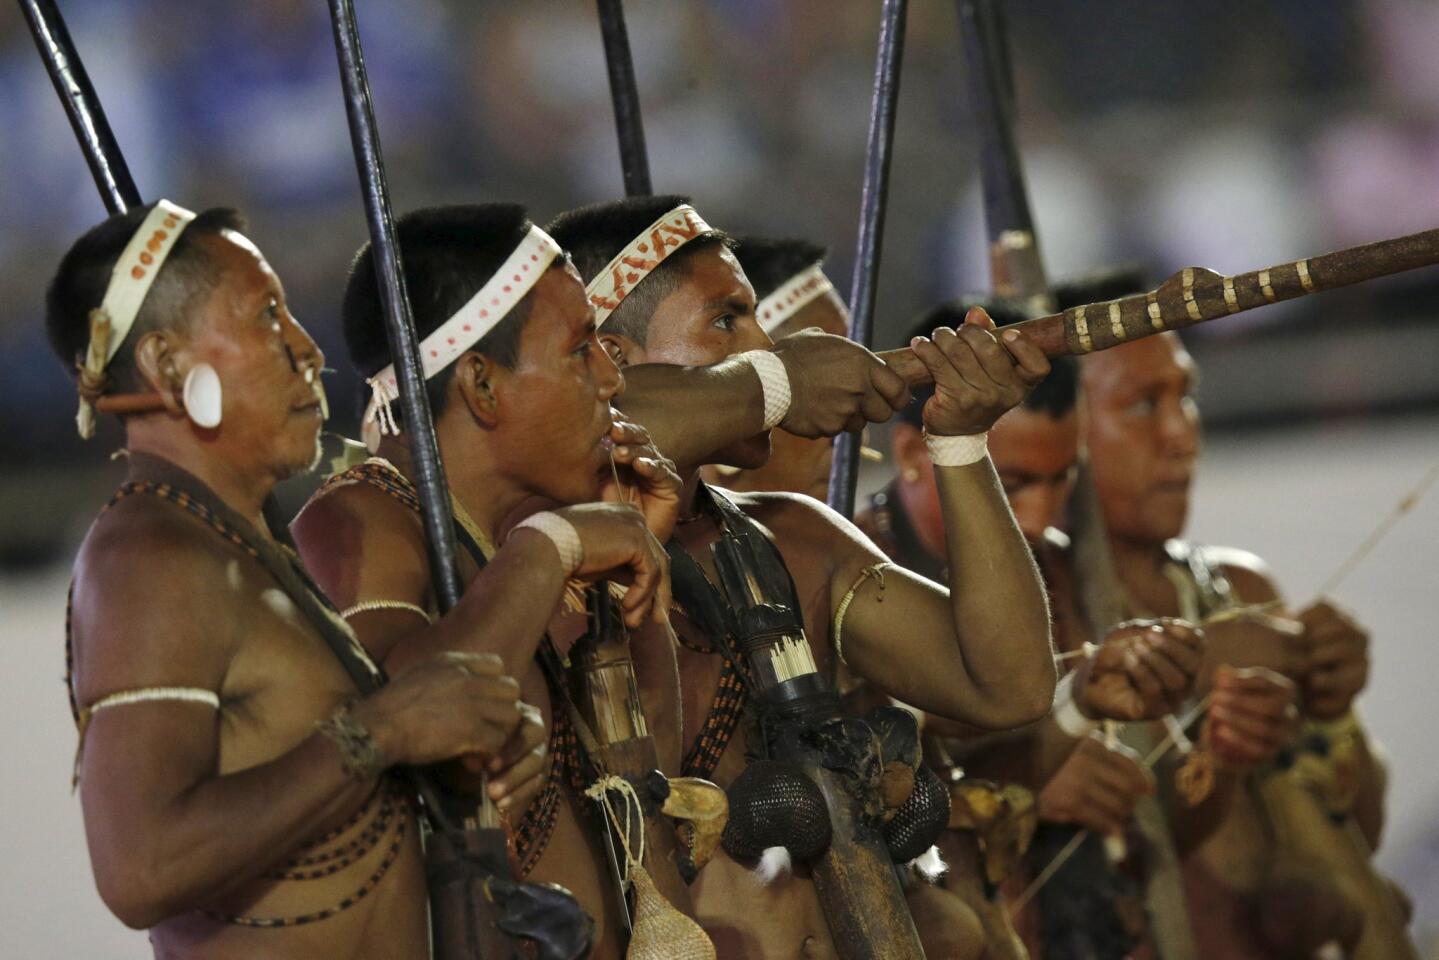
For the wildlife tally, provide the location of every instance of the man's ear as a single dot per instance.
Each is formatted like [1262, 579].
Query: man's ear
[156, 369]
[475, 381]
[622, 350]
[907, 447]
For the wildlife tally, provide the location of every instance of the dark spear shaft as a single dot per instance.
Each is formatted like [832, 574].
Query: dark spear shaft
[1006, 203]
[87, 117]
[844, 474]
[399, 325]
[1016, 268]
[598, 655]
[1196, 295]
[625, 95]
[463, 928]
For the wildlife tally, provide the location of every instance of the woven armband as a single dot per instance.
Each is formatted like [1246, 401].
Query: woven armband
[957, 451]
[774, 381]
[562, 534]
[1066, 712]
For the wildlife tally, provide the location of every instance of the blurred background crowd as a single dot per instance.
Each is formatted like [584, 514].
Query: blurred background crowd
[1232, 134]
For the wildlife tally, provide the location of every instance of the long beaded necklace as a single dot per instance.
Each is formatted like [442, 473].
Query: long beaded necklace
[397, 804]
[530, 835]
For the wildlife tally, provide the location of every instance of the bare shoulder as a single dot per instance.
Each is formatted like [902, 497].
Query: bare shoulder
[351, 523]
[807, 529]
[155, 598]
[143, 547]
[351, 506]
[797, 518]
[1251, 578]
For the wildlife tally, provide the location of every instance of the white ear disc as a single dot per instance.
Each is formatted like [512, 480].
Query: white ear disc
[202, 396]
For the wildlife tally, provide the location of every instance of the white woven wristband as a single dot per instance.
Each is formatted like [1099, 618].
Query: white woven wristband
[562, 534]
[1066, 712]
[957, 451]
[774, 382]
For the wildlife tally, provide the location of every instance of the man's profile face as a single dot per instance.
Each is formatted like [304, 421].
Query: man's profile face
[799, 464]
[271, 414]
[1142, 430]
[1036, 456]
[553, 408]
[708, 317]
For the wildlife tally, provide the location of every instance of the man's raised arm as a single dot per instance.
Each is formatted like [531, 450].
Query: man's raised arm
[979, 653]
[834, 385]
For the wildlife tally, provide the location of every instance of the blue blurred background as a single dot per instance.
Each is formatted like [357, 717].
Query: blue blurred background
[1232, 134]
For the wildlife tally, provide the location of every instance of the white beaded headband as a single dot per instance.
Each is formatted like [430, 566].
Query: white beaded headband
[130, 281]
[638, 260]
[469, 324]
[791, 297]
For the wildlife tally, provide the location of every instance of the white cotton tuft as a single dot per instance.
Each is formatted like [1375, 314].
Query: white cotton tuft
[931, 864]
[773, 864]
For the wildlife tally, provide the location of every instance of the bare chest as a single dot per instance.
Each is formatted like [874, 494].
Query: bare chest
[282, 678]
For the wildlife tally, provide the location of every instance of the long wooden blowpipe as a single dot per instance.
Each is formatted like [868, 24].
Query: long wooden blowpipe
[1195, 295]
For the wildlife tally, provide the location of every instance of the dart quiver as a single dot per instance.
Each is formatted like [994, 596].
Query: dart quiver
[606, 697]
[827, 787]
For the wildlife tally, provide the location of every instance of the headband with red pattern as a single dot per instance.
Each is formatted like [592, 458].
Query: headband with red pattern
[653, 246]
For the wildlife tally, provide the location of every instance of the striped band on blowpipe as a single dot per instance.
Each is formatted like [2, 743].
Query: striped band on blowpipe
[1195, 295]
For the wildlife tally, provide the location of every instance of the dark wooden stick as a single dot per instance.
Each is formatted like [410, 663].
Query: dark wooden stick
[863, 905]
[87, 117]
[844, 471]
[430, 480]
[459, 928]
[125, 403]
[986, 73]
[1196, 295]
[1015, 266]
[625, 95]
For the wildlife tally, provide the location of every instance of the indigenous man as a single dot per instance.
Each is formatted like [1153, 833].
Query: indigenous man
[521, 391]
[792, 294]
[233, 756]
[1079, 779]
[1084, 782]
[522, 402]
[1143, 437]
[978, 652]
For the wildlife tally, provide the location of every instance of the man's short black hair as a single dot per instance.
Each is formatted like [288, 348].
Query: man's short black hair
[79, 284]
[1055, 394]
[593, 235]
[449, 253]
[771, 263]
